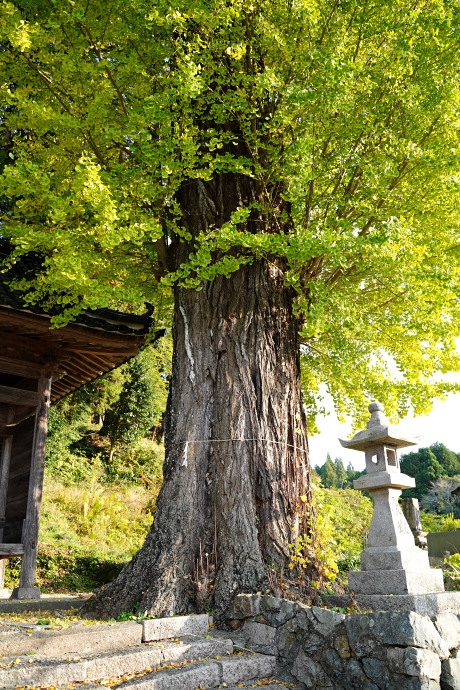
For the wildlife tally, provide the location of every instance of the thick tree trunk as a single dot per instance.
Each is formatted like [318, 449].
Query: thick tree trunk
[235, 430]
[236, 451]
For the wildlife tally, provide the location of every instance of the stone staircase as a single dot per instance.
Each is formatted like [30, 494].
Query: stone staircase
[179, 653]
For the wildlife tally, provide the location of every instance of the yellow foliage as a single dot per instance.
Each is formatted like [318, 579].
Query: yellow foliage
[335, 538]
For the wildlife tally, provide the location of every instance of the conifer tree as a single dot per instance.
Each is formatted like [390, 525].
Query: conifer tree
[329, 474]
[340, 473]
[424, 467]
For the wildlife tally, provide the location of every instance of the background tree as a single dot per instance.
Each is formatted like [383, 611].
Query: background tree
[271, 169]
[352, 473]
[340, 473]
[334, 474]
[131, 399]
[424, 468]
[438, 499]
[66, 419]
[327, 473]
[139, 406]
[449, 461]
[104, 392]
[427, 465]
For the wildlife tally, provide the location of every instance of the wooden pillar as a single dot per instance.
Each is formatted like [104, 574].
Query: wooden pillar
[4, 483]
[26, 588]
[3, 592]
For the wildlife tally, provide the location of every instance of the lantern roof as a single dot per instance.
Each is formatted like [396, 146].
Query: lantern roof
[378, 431]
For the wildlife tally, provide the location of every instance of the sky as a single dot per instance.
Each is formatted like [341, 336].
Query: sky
[442, 424]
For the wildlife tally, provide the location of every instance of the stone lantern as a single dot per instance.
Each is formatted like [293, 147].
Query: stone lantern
[391, 564]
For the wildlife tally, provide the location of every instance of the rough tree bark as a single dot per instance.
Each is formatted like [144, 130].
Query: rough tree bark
[236, 447]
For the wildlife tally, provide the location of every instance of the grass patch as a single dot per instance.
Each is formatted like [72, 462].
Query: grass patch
[89, 529]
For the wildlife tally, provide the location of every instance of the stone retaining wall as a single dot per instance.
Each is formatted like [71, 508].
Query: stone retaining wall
[379, 650]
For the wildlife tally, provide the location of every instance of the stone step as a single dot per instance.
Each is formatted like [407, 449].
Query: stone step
[164, 628]
[46, 604]
[56, 671]
[16, 640]
[77, 639]
[279, 679]
[255, 683]
[213, 673]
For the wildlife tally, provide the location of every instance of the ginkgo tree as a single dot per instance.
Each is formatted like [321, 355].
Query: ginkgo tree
[284, 176]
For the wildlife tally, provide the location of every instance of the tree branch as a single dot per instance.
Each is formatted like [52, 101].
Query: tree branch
[108, 71]
[49, 84]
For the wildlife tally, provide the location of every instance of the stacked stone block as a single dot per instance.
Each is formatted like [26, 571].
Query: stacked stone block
[385, 650]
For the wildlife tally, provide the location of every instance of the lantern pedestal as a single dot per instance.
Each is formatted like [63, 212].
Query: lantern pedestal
[391, 564]
[425, 604]
[396, 582]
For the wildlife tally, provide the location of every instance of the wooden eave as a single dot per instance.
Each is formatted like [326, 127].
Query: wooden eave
[76, 353]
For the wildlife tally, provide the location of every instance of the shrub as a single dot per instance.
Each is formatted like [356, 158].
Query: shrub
[342, 520]
[438, 523]
[451, 570]
[59, 570]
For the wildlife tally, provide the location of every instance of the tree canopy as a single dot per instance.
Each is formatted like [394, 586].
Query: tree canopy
[427, 465]
[344, 115]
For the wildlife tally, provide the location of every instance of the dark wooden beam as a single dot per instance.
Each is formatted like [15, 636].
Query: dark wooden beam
[3, 560]
[105, 363]
[4, 409]
[58, 373]
[82, 366]
[4, 479]
[74, 381]
[27, 321]
[11, 549]
[29, 370]
[18, 396]
[59, 387]
[110, 351]
[28, 349]
[33, 324]
[82, 354]
[21, 413]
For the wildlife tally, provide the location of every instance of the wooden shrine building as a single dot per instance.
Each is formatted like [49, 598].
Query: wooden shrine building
[38, 366]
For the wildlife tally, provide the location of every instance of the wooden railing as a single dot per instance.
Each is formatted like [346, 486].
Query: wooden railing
[11, 549]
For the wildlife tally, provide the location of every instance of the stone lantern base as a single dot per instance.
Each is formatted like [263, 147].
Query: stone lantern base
[424, 604]
[396, 581]
[391, 564]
